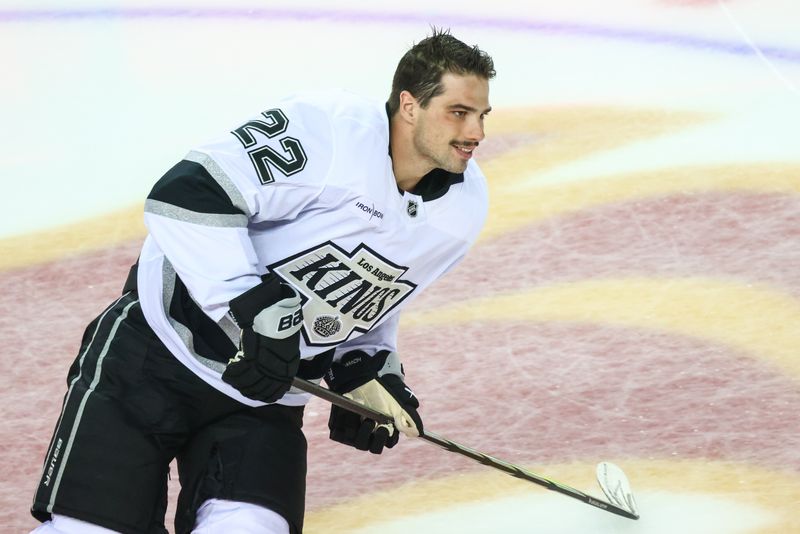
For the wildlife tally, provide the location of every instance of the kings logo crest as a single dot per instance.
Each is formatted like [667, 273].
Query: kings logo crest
[343, 292]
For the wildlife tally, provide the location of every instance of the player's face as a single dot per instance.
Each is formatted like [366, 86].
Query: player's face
[450, 128]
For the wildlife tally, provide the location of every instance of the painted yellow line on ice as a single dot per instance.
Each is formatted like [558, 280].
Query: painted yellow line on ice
[89, 235]
[773, 493]
[512, 208]
[566, 134]
[759, 320]
[509, 211]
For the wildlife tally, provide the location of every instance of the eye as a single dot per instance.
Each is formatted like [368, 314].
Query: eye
[460, 114]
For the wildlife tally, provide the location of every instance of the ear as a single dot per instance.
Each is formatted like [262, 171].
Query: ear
[408, 107]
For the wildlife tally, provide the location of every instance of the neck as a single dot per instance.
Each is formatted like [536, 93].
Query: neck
[408, 166]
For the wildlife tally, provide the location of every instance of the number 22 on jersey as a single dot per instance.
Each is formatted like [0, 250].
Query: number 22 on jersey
[264, 158]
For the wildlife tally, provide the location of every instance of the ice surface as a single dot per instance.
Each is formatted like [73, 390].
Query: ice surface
[671, 513]
[634, 297]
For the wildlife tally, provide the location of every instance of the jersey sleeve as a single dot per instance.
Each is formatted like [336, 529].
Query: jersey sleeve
[201, 211]
[382, 337]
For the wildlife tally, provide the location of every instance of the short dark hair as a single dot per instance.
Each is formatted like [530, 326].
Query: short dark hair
[420, 70]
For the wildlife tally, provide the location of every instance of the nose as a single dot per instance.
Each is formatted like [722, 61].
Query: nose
[475, 131]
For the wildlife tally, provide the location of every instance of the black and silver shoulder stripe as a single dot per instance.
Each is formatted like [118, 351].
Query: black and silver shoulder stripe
[198, 191]
[222, 179]
[178, 213]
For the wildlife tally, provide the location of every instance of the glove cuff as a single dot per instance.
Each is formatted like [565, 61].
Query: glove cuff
[245, 307]
[392, 366]
[355, 369]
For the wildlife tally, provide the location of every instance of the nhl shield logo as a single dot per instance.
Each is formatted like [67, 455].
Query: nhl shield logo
[411, 208]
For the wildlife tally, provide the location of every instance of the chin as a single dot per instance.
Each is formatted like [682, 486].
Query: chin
[457, 168]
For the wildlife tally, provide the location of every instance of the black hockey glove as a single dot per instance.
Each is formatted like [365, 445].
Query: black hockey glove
[377, 383]
[270, 317]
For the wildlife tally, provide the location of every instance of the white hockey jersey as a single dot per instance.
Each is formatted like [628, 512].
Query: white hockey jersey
[306, 191]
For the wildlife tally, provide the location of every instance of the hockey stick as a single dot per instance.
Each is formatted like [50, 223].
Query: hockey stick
[612, 480]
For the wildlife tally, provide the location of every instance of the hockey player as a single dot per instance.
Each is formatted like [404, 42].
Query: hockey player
[286, 247]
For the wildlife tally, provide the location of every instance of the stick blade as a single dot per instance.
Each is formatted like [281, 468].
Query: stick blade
[615, 485]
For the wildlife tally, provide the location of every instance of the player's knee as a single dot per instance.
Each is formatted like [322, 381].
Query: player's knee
[217, 516]
[61, 524]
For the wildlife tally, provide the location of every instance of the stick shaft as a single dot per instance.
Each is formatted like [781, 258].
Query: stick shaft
[452, 446]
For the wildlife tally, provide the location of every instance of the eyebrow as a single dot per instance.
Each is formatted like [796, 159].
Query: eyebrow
[468, 108]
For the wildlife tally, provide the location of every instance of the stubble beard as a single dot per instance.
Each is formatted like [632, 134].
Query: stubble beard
[445, 160]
